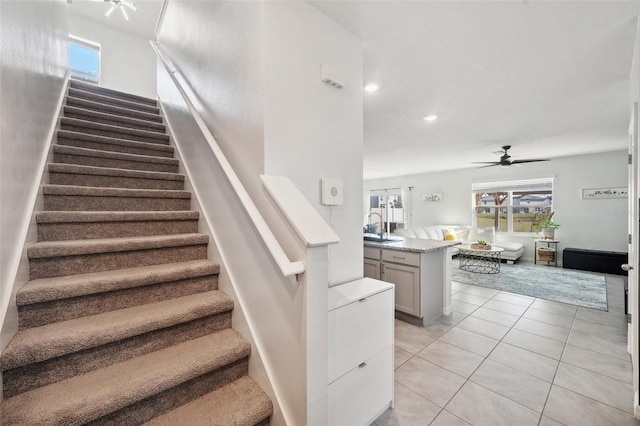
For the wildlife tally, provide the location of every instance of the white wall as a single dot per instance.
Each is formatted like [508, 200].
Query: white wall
[127, 62]
[598, 223]
[313, 130]
[33, 58]
[234, 56]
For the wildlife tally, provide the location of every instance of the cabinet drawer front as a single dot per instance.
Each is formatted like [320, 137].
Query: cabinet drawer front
[363, 393]
[404, 257]
[358, 331]
[372, 253]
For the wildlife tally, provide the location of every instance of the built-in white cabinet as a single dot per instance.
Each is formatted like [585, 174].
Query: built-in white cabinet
[361, 320]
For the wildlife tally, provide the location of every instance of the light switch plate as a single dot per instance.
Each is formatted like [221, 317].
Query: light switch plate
[331, 193]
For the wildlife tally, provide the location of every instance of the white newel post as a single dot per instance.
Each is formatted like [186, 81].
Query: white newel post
[317, 287]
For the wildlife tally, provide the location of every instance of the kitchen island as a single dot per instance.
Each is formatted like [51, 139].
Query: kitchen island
[421, 272]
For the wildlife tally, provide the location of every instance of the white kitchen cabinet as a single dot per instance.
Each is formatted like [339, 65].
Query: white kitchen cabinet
[361, 321]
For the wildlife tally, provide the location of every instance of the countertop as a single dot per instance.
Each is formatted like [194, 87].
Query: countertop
[415, 245]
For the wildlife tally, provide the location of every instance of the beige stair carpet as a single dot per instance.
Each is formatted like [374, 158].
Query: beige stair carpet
[122, 322]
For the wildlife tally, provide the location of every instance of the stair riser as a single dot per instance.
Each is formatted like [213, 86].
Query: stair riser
[82, 264]
[111, 109]
[91, 203]
[113, 101]
[147, 126]
[114, 148]
[90, 230]
[172, 398]
[65, 309]
[159, 139]
[31, 376]
[113, 181]
[114, 163]
[113, 94]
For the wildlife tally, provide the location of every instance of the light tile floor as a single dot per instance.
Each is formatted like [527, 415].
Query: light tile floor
[506, 359]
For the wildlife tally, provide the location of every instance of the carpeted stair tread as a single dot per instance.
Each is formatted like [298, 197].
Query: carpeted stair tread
[109, 171]
[60, 338]
[127, 132]
[48, 289]
[95, 191]
[88, 87]
[58, 249]
[115, 216]
[95, 394]
[72, 150]
[109, 144]
[113, 109]
[112, 119]
[239, 403]
[96, 97]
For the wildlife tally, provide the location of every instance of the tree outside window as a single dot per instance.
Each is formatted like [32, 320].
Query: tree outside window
[517, 206]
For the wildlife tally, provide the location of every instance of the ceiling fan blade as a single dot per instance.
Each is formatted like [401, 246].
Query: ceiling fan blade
[490, 165]
[529, 161]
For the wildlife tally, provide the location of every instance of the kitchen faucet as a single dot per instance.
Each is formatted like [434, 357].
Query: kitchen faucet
[371, 214]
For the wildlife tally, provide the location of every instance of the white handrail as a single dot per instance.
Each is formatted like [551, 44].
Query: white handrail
[287, 267]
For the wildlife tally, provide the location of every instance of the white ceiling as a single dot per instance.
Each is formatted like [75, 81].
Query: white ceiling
[550, 78]
[141, 23]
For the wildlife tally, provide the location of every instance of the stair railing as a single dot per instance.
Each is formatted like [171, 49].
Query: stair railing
[287, 267]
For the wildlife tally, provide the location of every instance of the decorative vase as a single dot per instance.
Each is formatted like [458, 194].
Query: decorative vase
[548, 233]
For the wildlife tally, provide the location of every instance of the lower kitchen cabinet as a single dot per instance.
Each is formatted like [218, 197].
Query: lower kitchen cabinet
[407, 282]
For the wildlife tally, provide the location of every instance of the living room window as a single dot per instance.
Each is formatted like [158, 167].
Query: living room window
[84, 59]
[512, 206]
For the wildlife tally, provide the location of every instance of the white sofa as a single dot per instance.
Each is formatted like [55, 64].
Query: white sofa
[464, 234]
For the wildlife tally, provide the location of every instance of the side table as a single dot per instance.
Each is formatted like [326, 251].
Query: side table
[536, 257]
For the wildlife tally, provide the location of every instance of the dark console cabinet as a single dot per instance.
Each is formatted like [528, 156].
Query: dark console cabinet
[607, 262]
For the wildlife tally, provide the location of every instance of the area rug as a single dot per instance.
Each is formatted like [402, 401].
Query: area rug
[557, 284]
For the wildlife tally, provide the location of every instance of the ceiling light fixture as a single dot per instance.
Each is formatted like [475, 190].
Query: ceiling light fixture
[371, 87]
[115, 4]
[430, 117]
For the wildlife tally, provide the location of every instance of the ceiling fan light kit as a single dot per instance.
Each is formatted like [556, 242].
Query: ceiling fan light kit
[506, 161]
[121, 4]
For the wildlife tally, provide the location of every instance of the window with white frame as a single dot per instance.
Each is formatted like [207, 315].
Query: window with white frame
[512, 206]
[84, 59]
[386, 210]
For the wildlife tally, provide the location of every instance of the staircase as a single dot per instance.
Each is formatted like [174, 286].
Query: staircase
[122, 322]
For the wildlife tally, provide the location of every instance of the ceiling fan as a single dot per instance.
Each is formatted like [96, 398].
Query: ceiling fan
[115, 4]
[505, 159]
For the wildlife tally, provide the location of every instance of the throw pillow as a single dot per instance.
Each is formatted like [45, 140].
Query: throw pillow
[450, 234]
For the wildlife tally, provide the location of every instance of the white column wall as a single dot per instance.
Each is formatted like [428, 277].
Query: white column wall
[598, 223]
[233, 55]
[313, 130]
[33, 59]
[127, 62]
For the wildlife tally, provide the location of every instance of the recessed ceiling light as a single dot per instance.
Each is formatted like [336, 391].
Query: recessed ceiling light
[430, 117]
[371, 87]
